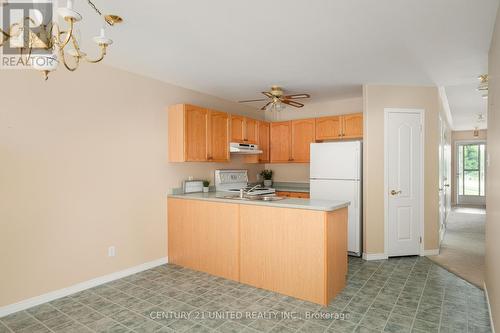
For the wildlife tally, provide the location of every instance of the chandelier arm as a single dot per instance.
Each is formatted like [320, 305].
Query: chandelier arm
[5, 37]
[59, 33]
[28, 57]
[68, 67]
[77, 48]
[103, 54]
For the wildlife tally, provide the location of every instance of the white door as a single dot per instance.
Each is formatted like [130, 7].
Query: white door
[403, 181]
[346, 190]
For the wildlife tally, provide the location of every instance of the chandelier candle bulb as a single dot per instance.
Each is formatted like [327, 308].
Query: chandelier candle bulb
[102, 39]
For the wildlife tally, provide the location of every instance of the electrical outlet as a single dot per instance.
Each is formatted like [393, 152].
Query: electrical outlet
[111, 251]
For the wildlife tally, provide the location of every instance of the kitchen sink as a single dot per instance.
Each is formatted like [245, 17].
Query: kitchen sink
[254, 198]
[271, 198]
[237, 197]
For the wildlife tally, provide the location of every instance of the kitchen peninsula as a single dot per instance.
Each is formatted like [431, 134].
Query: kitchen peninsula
[296, 247]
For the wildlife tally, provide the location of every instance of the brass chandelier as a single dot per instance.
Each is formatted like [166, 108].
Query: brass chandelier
[57, 45]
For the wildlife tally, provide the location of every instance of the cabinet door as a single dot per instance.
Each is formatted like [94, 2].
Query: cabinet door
[252, 131]
[352, 126]
[219, 137]
[264, 141]
[280, 142]
[196, 122]
[303, 134]
[329, 128]
[237, 129]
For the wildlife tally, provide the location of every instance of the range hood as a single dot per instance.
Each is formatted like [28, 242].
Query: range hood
[244, 148]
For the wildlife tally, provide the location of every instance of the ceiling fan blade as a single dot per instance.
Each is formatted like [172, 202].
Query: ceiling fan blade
[292, 103]
[297, 96]
[268, 94]
[265, 106]
[253, 100]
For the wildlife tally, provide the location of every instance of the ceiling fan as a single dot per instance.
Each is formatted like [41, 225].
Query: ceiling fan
[278, 99]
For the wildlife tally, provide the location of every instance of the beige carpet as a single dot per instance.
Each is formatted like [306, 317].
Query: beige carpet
[462, 250]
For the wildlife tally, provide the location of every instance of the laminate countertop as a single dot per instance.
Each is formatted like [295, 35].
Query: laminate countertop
[294, 203]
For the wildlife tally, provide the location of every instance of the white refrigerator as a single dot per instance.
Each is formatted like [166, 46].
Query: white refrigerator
[335, 174]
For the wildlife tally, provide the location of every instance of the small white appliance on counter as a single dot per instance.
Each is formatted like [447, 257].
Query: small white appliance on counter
[335, 174]
[233, 181]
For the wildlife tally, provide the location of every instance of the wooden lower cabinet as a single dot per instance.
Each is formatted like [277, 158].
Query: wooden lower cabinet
[204, 236]
[296, 252]
[303, 195]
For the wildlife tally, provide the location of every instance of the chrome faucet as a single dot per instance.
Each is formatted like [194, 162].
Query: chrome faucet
[253, 188]
[243, 192]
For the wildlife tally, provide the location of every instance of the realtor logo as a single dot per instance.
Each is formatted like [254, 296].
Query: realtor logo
[26, 33]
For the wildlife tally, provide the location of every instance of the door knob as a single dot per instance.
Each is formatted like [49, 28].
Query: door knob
[394, 192]
[446, 185]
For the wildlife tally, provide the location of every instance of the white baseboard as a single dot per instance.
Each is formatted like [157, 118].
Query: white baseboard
[30, 302]
[374, 256]
[489, 307]
[433, 252]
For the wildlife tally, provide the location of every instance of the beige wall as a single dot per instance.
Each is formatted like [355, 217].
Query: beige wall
[493, 183]
[376, 98]
[460, 136]
[300, 172]
[83, 166]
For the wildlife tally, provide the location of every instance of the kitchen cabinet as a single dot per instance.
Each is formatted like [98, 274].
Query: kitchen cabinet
[263, 142]
[329, 128]
[280, 142]
[265, 246]
[244, 130]
[237, 129]
[197, 134]
[303, 134]
[349, 126]
[218, 148]
[352, 126]
[252, 131]
[286, 194]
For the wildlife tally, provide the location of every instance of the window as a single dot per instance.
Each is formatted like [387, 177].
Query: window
[471, 171]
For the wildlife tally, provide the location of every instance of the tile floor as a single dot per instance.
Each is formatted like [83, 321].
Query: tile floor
[397, 295]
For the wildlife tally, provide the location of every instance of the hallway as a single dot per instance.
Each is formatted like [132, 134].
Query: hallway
[462, 250]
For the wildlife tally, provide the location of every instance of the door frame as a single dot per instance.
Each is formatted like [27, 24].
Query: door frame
[458, 143]
[421, 113]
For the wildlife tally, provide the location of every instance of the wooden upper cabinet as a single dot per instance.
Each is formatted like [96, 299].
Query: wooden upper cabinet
[352, 126]
[280, 142]
[349, 126]
[303, 134]
[196, 127]
[238, 129]
[252, 131]
[264, 141]
[218, 147]
[329, 128]
[196, 134]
